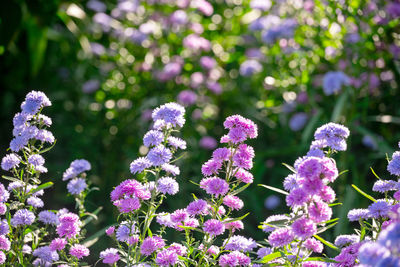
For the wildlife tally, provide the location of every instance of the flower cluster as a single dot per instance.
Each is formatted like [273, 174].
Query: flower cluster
[309, 197]
[131, 195]
[225, 175]
[38, 238]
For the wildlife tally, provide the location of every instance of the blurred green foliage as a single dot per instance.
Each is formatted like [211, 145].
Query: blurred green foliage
[48, 45]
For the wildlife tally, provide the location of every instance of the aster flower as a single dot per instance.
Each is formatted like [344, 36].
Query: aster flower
[371, 253]
[76, 167]
[380, 208]
[4, 194]
[166, 257]
[394, 164]
[58, 244]
[171, 169]
[357, 214]
[304, 228]
[345, 240]
[151, 244]
[5, 244]
[10, 161]
[214, 186]
[384, 186]
[333, 82]
[334, 135]
[139, 165]
[153, 138]
[35, 202]
[314, 245]
[281, 237]
[23, 217]
[76, 186]
[197, 207]
[110, 256]
[171, 113]
[213, 227]
[240, 243]
[179, 216]
[79, 251]
[46, 254]
[48, 217]
[159, 155]
[233, 202]
[211, 167]
[34, 101]
[176, 142]
[167, 185]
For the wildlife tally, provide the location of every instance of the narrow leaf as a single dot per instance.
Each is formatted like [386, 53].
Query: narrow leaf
[92, 216]
[41, 187]
[237, 191]
[326, 243]
[289, 167]
[363, 193]
[271, 257]
[12, 179]
[237, 219]
[376, 175]
[321, 259]
[274, 189]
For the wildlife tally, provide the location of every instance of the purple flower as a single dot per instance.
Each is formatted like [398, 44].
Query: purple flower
[69, 225]
[233, 202]
[334, 135]
[319, 211]
[197, 207]
[151, 244]
[46, 254]
[281, 237]
[290, 182]
[207, 62]
[139, 165]
[48, 217]
[221, 154]
[172, 169]
[22, 217]
[394, 165]
[4, 194]
[214, 186]
[166, 257]
[35, 202]
[296, 197]
[179, 17]
[213, 227]
[263, 5]
[75, 168]
[159, 155]
[109, 256]
[304, 228]
[211, 167]
[250, 67]
[234, 258]
[187, 97]
[79, 251]
[176, 142]
[380, 208]
[314, 245]
[4, 227]
[371, 253]
[34, 101]
[153, 138]
[390, 237]
[196, 43]
[240, 243]
[310, 168]
[170, 113]
[167, 185]
[333, 82]
[384, 186]
[262, 252]
[127, 205]
[345, 240]
[5, 244]
[244, 176]
[10, 161]
[297, 121]
[208, 142]
[76, 186]
[58, 244]
[96, 5]
[357, 214]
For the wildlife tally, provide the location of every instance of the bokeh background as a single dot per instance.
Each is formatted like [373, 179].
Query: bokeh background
[290, 66]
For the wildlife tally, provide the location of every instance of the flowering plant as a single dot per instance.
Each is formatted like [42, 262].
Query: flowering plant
[49, 236]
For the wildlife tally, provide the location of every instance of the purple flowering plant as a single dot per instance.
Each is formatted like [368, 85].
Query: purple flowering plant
[28, 233]
[294, 238]
[138, 200]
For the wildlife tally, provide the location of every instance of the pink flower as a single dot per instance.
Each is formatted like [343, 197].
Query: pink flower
[314, 245]
[58, 244]
[244, 176]
[211, 167]
[304, 228]
[281, 237]
[127, 205]
[319, 211]
[110, 230]
[79, 251]
[109, 256]
[197, 207]
[151, 244]
[214, 186]
[233, 202]
[166, 257]
[214, 227]
[296, 197]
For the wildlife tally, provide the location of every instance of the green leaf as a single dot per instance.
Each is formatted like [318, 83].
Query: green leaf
[94, 238]
[289, 167]
[323, 229]
[321, 259]
[12, 179]
[48, 148]
[237, 219]
[274, 189]
[41, 187]
[363, 193]
[237, 191]
[340, 104]
[335, 204]
[327, 243]
[271, 257]
[308, 131]
[376, 175]
[92, 216]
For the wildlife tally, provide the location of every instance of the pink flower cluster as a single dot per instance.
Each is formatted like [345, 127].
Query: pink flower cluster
[69, 225]
[127, 195]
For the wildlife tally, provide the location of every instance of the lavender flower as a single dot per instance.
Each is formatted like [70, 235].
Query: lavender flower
[240, 243]
[394, 165]
[159, 155]
[380, 208]
[110, 256]
[153, 138]
[170, 113]
[384, 186]
[10, 161]
[333, 82]
[167, 185]
[357, 214]
[76, 167]
[76, 186]
[23, 217]
[34, 101]
[46, 254]
[139, 165]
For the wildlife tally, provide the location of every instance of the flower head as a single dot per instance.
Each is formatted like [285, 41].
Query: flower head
[79, 251]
